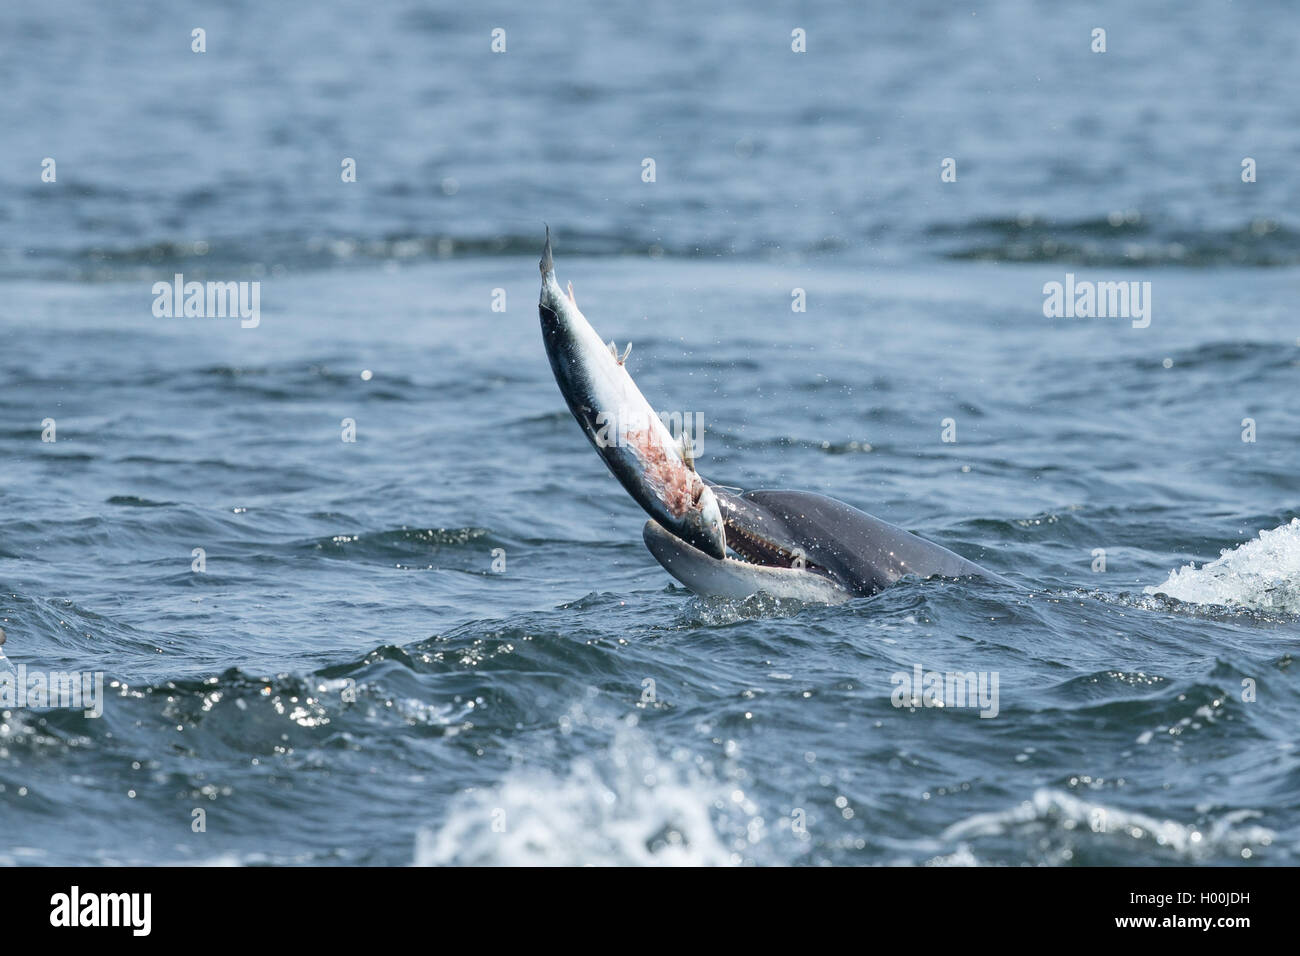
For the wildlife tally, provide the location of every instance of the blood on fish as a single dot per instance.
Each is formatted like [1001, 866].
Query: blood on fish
[667, 473]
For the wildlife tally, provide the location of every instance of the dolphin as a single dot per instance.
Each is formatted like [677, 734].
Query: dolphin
[714, 540]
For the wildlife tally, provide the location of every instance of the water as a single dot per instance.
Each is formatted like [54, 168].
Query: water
[351, 681]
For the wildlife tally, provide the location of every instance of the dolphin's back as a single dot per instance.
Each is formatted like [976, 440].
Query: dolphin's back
[866, 553]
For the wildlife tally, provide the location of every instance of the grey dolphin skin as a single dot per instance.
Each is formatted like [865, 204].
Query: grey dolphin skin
[790, 544]
[803, 545]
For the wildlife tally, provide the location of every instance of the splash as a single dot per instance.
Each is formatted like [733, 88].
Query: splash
[1263, 574]
[1063, 826]
[717, 611]
[629, 807]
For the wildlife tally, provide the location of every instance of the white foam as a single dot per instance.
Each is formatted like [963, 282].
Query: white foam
[1073, 819]
[1262, 574]
[629, 808]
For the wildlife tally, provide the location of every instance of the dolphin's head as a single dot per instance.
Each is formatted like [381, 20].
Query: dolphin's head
[804, 545]
[814, 534]
[765, 556]
[771, 550]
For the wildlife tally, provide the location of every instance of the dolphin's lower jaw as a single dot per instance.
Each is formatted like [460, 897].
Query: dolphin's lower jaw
[732, 578]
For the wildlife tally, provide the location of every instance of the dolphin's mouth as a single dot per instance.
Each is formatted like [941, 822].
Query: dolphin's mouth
[752, 547]
[757, 565]
[755, 536]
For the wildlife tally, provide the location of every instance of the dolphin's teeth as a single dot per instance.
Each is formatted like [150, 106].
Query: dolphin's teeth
[752, 548]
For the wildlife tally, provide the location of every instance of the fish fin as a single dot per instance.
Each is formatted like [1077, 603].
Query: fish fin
[548, 263]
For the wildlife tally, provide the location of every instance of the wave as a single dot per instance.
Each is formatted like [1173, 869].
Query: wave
[1122, 238]
[1261, 575]
[259, 256]
[628, 807]
[1066, 828]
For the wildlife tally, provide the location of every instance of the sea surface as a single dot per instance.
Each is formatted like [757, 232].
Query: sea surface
[444, 642]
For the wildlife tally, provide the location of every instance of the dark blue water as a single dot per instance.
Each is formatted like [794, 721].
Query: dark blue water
[351, 680]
